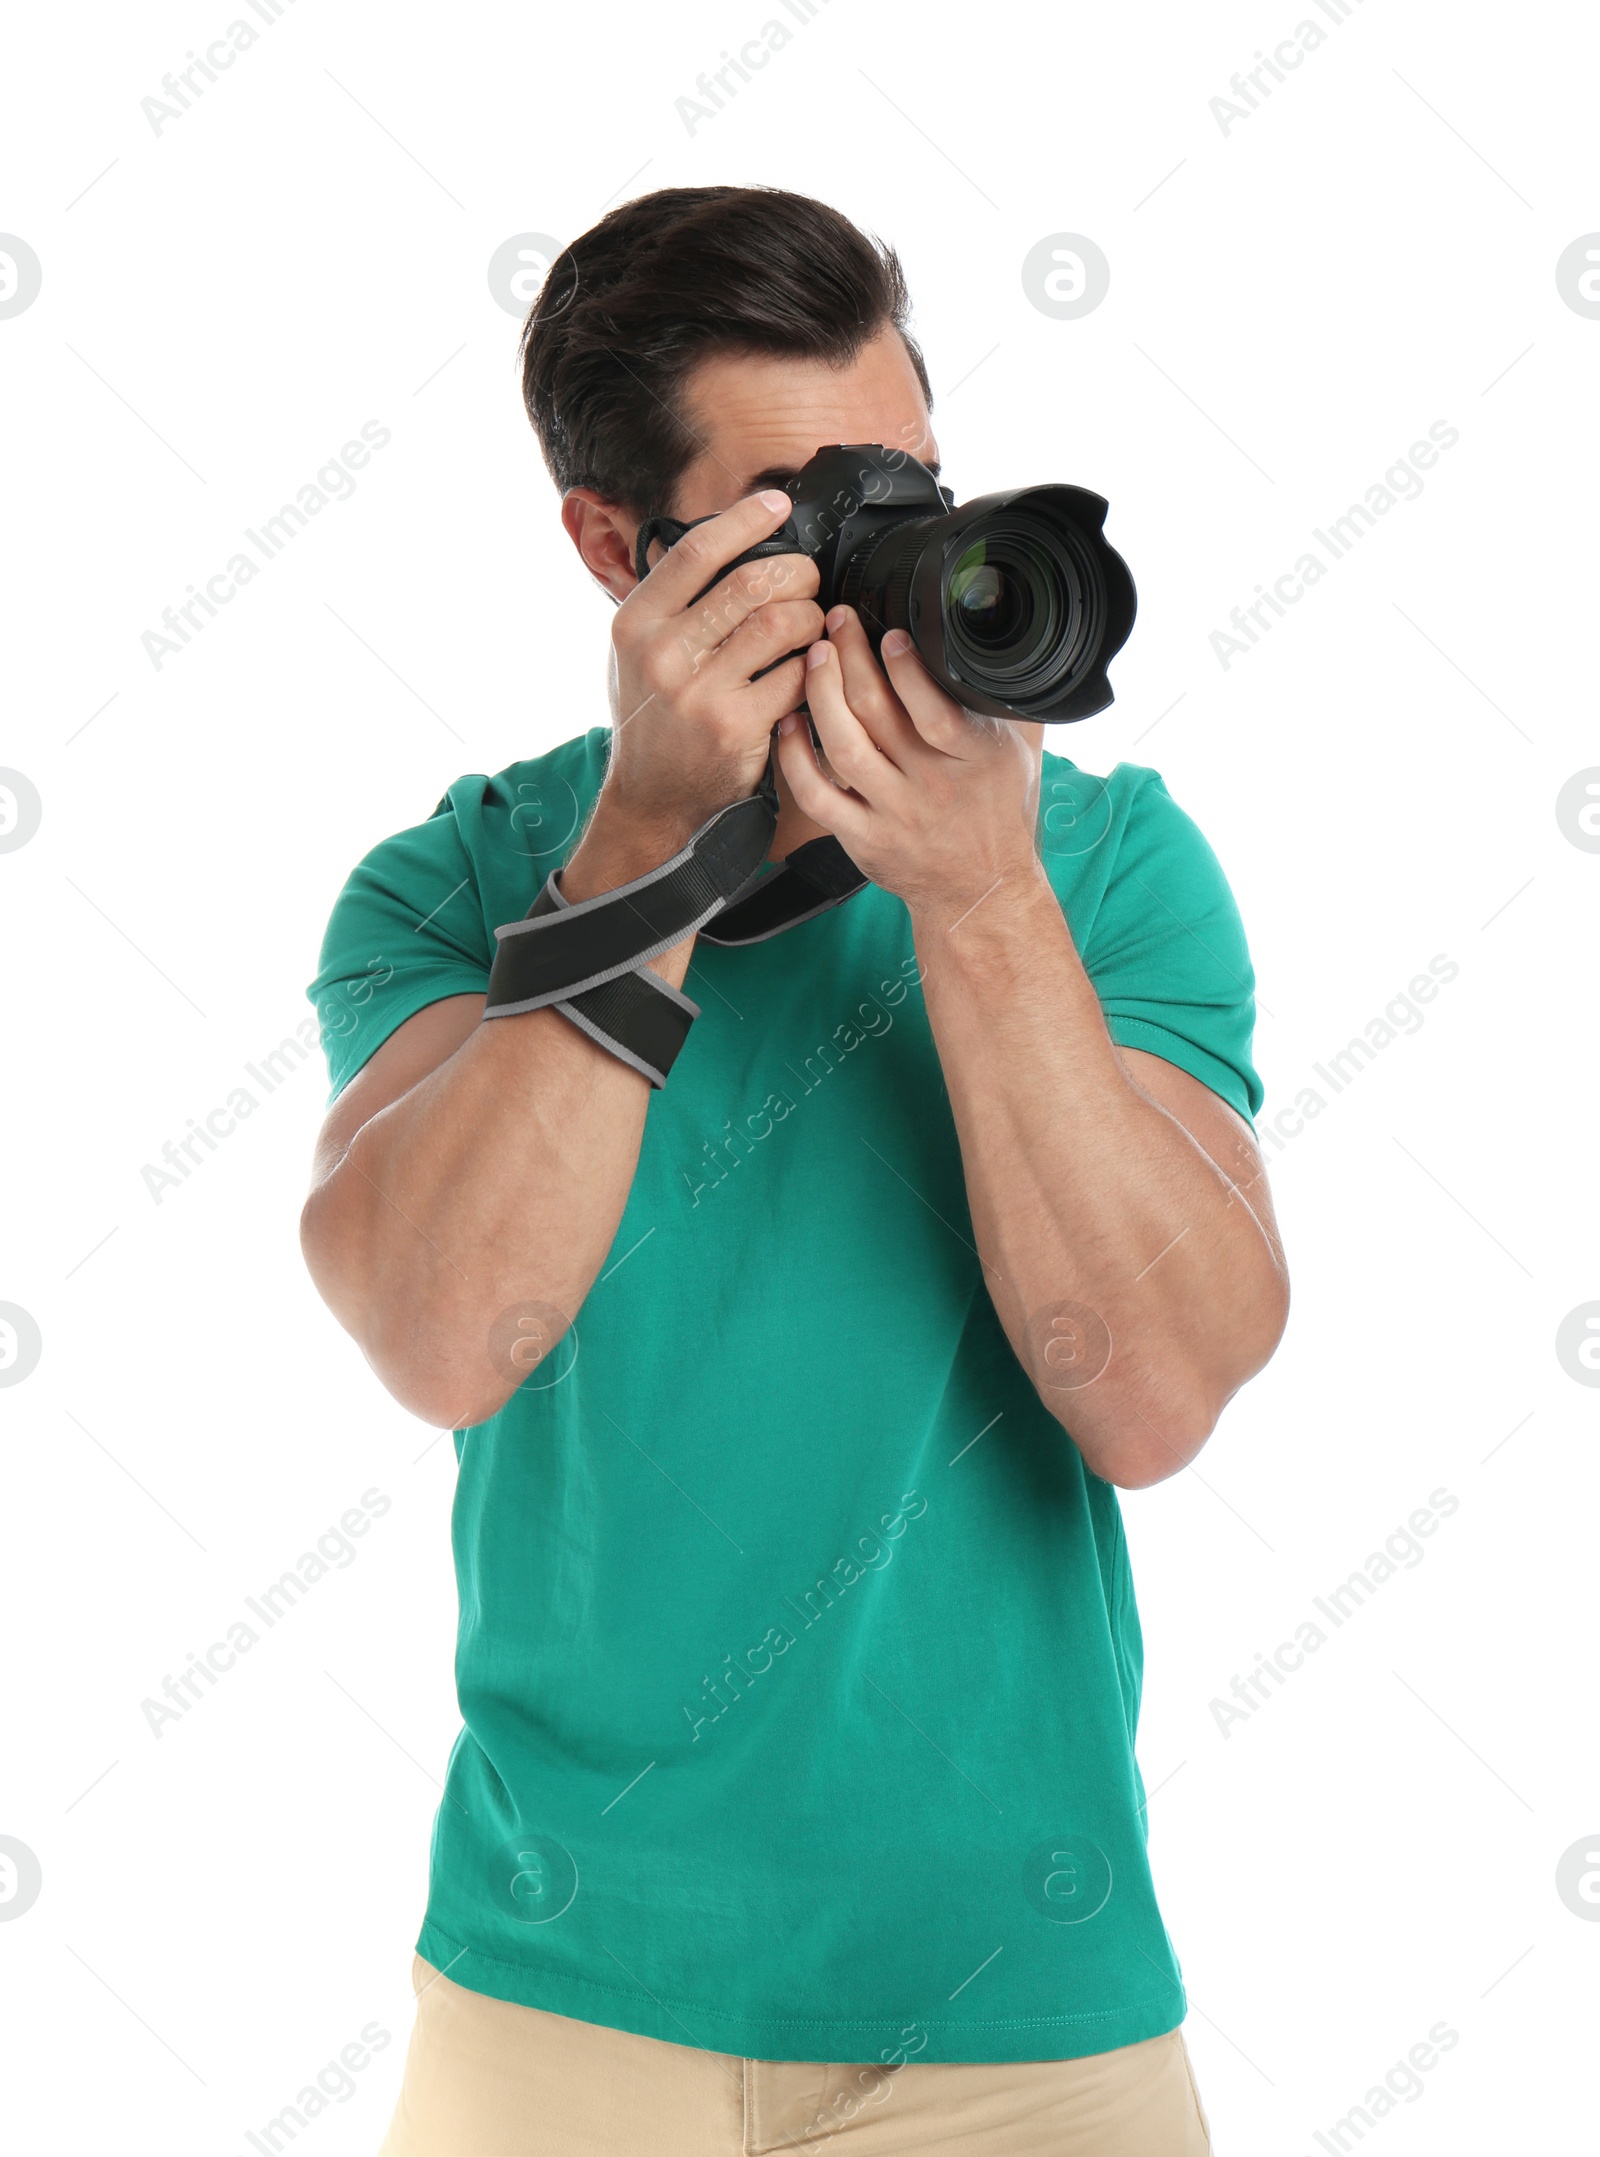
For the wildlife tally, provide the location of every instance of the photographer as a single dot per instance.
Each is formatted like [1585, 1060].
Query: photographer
[799, 1664]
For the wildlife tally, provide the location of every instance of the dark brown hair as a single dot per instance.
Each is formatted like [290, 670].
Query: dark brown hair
[628, 309]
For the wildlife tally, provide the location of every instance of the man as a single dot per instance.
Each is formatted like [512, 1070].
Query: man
[796, 1802]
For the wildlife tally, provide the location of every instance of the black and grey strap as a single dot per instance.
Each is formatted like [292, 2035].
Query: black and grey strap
[640, 1018]
[589, 960]
[815, 876]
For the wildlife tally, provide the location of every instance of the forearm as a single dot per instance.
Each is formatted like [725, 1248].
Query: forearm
[1085, 1192]
[496, 1182]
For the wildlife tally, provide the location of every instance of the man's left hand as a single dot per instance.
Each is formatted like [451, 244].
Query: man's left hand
[935, 803]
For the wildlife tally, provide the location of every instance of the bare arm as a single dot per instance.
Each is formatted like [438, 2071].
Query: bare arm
[1120, 1207]
[470, 1178]
[472, 1166]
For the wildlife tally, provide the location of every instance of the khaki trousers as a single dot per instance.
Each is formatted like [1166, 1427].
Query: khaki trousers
[487, 2078]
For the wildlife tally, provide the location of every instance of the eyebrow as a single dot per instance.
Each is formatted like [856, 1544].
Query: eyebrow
[779, 475]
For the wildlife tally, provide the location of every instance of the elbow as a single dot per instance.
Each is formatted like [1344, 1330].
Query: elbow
[440, 1407]
[1136, 1437]
[430, 1371]
[1136, 1466]
[398, 1349]
[428, 1339]
[1142, 1421]
[1142, 1450]
[331, 1246]
[1149, 1430]
[318, 1247]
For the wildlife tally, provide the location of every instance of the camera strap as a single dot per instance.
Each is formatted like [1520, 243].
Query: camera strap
[589, 959]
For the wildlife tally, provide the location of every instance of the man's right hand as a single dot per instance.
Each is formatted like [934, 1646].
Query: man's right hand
[691, 722]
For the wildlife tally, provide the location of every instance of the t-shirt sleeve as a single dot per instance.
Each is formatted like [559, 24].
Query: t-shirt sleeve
[406, 930]
[1167, 951]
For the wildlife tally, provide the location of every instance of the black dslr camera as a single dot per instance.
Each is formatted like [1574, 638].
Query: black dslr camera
[1015, 603]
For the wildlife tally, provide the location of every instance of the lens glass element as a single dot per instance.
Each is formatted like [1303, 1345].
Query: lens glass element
[1014, 607]
[991, 603]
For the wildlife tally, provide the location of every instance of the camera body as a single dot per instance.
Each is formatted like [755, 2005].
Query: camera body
[1014, 601]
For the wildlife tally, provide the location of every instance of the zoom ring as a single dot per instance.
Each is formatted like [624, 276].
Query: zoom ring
[895, 557]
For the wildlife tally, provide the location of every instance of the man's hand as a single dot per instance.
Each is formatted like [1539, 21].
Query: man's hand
[691, 723]
[933, 802]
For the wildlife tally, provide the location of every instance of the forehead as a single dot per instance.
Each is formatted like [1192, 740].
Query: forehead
[755, 414]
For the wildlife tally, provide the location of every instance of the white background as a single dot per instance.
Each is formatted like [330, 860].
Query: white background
[1292, 303]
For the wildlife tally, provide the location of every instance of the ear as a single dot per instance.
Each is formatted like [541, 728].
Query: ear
[604, 536]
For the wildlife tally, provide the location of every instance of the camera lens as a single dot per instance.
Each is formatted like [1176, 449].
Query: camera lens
[990, 602]
[1015, 603]
[1013, 608]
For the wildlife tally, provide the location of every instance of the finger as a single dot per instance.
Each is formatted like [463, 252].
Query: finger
[693, 562]
[867, 690]
[814, 793]
[764, 703]
[774, 580]
[774, 631]
[851, 752]
[939, 720]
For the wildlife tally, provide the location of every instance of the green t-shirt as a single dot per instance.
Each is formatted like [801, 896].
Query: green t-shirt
[798, 1658]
